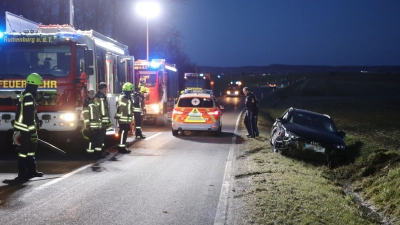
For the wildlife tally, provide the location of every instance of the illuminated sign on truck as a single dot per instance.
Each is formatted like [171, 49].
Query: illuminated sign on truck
[22, 84]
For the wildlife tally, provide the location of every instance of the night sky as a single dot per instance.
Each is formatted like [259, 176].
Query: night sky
[293, 32]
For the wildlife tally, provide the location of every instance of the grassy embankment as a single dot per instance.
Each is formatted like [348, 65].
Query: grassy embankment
[290, 190]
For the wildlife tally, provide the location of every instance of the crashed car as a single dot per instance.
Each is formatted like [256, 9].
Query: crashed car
[308, 131]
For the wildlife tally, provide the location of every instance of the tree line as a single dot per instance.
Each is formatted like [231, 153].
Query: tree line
[117, 19]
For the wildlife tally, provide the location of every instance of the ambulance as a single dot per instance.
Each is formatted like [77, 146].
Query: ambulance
[197, 111]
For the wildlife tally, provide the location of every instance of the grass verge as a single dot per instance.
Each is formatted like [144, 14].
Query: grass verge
[289, 190]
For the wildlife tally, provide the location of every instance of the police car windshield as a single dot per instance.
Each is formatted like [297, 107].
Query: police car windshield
[24, 60]
[196, 102]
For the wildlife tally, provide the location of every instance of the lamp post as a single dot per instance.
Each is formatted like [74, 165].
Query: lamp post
[147, 9]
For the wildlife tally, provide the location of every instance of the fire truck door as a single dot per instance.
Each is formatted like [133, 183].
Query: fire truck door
[110, 71]
[125, 71]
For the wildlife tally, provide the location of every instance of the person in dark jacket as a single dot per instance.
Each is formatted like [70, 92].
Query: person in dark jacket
[27, 124]
[251, 105]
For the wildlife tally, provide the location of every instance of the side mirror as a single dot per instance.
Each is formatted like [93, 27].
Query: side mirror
[341, 134]
[89, 71]
[88, 58]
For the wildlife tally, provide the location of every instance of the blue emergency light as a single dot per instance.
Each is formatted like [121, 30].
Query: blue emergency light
[1, 34]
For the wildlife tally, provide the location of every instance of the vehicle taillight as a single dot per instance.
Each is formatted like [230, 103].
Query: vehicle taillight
[177, 112]
[213, 113]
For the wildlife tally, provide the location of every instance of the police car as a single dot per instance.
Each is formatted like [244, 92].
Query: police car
[197, 111]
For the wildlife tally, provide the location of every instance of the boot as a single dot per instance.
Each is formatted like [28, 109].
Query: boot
[32, 167]
[124, 150]
[22, 174]
[140, 136]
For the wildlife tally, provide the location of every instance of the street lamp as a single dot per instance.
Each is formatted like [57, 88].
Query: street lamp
[147, 9]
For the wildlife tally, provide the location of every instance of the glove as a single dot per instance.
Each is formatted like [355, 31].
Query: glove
[108, 125]
[34, 137]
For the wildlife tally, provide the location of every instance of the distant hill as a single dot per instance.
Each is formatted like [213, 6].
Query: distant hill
[296, 69]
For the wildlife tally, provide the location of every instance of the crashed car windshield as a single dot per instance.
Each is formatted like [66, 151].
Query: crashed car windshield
[313, 121]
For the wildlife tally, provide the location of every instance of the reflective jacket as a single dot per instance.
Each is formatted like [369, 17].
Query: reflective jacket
[137, 102]
[91, 114]
[101, 100]
[26, 118]
[124, 109]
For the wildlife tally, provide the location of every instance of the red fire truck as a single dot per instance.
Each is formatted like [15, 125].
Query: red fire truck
[70, 62]
[198, 81]
[160, 80]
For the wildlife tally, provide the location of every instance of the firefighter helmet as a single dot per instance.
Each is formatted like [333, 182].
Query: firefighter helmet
[127, 86]
[34, 79]
[142, 89]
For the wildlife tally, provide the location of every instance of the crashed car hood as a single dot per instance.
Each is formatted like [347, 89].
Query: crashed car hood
[310, 134]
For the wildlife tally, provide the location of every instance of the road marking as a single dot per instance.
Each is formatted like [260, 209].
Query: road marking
[222, 209]
[63, 177]
[148, 138]
[79, 169]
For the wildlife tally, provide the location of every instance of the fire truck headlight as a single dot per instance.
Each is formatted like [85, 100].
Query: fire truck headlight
[69, 117]
[155, 108]
[228, 92]
[236, 92]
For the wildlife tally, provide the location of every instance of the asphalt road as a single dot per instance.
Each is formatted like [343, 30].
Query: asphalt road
[165, 180]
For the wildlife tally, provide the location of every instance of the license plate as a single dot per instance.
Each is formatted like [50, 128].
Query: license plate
[195, 114]
[315, 148]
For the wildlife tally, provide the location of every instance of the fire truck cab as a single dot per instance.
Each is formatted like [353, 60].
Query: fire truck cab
[71, 62]
[160, 80]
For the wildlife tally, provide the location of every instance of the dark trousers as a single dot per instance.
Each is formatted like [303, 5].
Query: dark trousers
[26, 153]
[95, 141]
[101, 137]
[249, 122]
[123, 134]
[255, 128]
[138, 123]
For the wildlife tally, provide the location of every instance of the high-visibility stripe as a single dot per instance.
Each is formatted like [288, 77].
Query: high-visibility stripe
[21, 128]
[97, 149]
[31, 153]
[28, 103]
[22, 155]
[121, 138]
[33, 127]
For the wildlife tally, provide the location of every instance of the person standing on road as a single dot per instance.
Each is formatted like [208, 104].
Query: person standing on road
[251, 105]
[101, 100]
[124, 116]
[137, 111]
[93, 126]
[27, 124]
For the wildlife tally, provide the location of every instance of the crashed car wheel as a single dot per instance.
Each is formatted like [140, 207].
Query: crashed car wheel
[277, 147]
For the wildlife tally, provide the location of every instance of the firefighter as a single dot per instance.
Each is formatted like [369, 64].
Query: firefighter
[138, 105]
[124, 116]
[101, 100]
[28, 124]
[93, 125]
